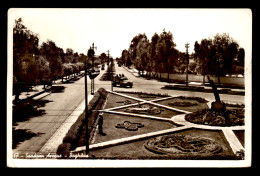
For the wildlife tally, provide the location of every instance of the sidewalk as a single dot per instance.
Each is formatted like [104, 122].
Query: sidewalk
[38, 91]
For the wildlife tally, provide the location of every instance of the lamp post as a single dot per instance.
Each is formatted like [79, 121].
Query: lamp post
[110, 70]
[86, 108]
[92, 80]
[89, 54]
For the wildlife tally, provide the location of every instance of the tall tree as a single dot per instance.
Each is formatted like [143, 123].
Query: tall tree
[133, 47]
[142, 54]
[163, 51]
[202, 53]
[52, 54]
[152, 53]
[25, 46]
[226, 52]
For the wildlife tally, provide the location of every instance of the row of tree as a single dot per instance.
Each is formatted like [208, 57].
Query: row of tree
[218, 56]
[157, 56]
[34, 64]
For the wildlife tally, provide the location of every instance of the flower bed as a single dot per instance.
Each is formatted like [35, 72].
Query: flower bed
[181, 103]
[144, 109]
[198, 99]
[181, 144]
[129, 126]
[207, 117]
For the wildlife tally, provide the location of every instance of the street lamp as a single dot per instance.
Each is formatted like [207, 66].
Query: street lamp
[92, 74]
[86, 108]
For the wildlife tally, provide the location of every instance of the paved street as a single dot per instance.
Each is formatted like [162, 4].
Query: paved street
[60, 107]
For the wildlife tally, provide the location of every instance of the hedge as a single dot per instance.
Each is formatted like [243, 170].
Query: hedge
[71, 139]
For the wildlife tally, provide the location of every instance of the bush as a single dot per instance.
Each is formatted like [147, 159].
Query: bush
[72, 137]
[198, 99]
[180, 87]
[64, 150]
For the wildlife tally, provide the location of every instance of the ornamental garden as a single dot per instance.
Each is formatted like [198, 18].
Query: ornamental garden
[139, 125]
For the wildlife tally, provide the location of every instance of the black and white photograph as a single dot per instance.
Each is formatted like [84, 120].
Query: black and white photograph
[129, 87]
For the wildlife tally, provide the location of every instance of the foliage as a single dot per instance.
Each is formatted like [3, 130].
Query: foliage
[74, 134]
[64, 150]
[34, 64]
[219, 56]
[207, 117]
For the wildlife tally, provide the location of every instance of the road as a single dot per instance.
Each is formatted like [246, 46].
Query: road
[154, 86]
[62, 104]
[57, 110]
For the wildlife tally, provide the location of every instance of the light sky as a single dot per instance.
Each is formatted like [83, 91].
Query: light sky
[113, 29]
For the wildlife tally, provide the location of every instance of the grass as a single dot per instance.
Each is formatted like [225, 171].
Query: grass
[192, 100]
[241, 136]
[116, 100]
[164, 112]
[136, 150]
[111, 120]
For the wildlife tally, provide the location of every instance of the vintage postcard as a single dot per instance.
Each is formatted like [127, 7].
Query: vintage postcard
[129, 87]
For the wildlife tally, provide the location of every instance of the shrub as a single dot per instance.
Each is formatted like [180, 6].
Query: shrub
[198, 99]
[72, 137]
[64, 150]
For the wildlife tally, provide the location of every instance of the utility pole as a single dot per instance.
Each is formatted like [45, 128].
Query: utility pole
[86, 97]
[92, 80]
[187, 62]
[86, 108]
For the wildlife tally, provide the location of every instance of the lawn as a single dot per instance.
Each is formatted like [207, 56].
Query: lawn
[136, 150]
[192, 108]
[111, 120]
[164, 112]
[116, 100]
[241, 136]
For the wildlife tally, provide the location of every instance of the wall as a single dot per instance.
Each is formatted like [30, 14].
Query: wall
[239, 81]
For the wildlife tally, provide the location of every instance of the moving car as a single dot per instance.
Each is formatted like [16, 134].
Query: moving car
[122, 81]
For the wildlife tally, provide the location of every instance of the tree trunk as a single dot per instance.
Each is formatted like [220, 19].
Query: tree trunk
[218, 80]
[16, 99]
[215, 90]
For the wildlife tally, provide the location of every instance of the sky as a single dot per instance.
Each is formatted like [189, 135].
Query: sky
[113, 29]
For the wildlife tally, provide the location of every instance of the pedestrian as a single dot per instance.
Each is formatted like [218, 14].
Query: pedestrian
[100, 125]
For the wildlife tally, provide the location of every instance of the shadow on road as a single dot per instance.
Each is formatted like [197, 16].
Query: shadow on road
[20, 135]
[24, 111]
